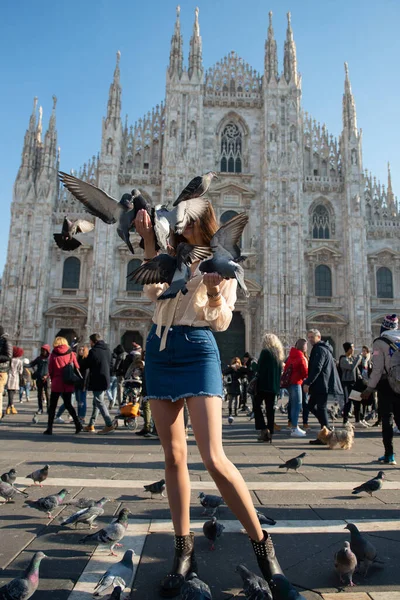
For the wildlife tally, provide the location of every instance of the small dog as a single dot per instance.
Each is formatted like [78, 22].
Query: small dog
[338, 437]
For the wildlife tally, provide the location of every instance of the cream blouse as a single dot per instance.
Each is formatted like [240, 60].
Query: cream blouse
[193, 308]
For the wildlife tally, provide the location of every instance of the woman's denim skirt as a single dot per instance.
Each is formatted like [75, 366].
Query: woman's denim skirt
[190, 364]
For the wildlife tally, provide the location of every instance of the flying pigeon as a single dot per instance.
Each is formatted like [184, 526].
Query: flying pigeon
[293, 463]
[81, 502]
[98, 203]
[87, 515]
[208, 501]
[226, 252]
[364, 550]
[254, 587]
[8, 491]
[264, 520]
[66, 240]
[282, 589]
[195, 589]
[345, 563]
[177, 219]
[156, 488]
[9, 477]
[213, 530]
[196, 188]
[119, 574]
[174, 270]
[373, 485]
[112, 534]
[23, 588]
[48, 503]
[39, 476]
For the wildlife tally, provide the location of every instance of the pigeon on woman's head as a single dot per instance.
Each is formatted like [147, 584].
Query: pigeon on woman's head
[196, 188]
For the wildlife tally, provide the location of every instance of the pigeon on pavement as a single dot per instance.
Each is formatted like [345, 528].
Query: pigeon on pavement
[213, 530]
[196, 188]
[373, 485]
[66, 240]
[87, 515]
[226, 252]
[23, 588]
[81, 502]
[48, 503]
[345, 564]
[293, 463]
[209, 501]
[112, 534]
[39, 476]
[174, 270]
[364, 550]
[116, 595]
[264, 520]
[195, 589]
[9, 477]
[8, 491]
[282, 589]
[35, 419]
[156, 488]
[119, 574]
[254, 587]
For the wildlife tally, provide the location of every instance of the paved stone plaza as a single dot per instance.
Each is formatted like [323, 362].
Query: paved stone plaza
[311, 509]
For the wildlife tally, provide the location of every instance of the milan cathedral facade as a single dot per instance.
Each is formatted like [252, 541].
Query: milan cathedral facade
[323, 241]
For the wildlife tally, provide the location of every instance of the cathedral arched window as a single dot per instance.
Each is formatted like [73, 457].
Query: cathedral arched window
[323, 281]
[320, 223]
[231, 149]
[71, 273]
[384, 283]
[292, 134]
[130, 285]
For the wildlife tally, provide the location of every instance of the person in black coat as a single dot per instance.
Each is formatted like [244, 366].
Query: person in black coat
[98, 362]
[323, 379]
[232, 376]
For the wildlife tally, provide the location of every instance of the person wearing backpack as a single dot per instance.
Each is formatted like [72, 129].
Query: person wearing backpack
[385, 351]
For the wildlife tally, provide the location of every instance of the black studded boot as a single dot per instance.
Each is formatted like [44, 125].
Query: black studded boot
[184, 563]
[266, 557]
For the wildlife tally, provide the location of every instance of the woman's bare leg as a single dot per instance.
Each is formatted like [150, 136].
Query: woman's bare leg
[168, 417]
[206, 418]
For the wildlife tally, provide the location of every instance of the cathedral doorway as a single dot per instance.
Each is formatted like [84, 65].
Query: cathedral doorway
[68, 334]
[129, 337]
[232, 342]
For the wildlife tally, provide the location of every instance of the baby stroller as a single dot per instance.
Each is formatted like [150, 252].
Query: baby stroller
[130, 409]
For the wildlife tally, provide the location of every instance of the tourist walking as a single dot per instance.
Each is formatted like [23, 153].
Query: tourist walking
[296, 370]
[98, 362]
[82, 386]
[6, 354]
[349, 373]
[60, 358]
[41, 376]
[120, 370]
[25, 381]
[16, 370]
[232, 376]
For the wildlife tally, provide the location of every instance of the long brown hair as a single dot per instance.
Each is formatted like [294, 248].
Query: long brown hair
[208, 225]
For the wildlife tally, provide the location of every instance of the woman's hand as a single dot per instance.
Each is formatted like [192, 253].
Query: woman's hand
[144, 226]
[212, 282]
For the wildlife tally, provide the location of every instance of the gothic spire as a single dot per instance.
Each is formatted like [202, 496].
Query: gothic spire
[176, 54]
[195, 53]
[271, 57]
[50, 140]
[390, 195]
[114, 97]
[39, 128]
[290, 57]
[29, 149]
[349, 106]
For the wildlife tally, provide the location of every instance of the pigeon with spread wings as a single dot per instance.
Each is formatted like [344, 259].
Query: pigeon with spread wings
[66, 240]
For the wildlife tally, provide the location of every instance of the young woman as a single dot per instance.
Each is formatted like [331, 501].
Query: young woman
[82, 386]
[16, 370]
[269, 371]
[296, 367]
[183, 362]
[232, 375]
[349, 366]
[41, 376]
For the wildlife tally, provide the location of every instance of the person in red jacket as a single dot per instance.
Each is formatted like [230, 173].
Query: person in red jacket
[61, 356]
[296, 369]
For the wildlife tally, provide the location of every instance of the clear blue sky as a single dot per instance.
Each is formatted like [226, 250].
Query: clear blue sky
[68, 49]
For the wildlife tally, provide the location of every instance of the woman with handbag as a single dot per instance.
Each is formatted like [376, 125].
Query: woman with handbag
[63, 367]
[269, 371]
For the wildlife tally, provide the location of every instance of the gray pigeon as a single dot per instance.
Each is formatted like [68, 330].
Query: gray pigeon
[48, 503]
[87, 515]
[119, 574]
[35, 419]
[156, 488]
[213, 530]
[226, 252]
[209, 501]
[66, 240]
[81, 502]
[23, 588]
[174, 270]
[116, 595]
[8, 491]
[39, 476]
[112, 534]
[264, 520]
[9, 477]
[364, 550]
[195, 589]
[177, 219]
[197, 187]
[254, 587]
[294, 463]
[98, 203]
[345, 564]
[373, 485]
[282, 589]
